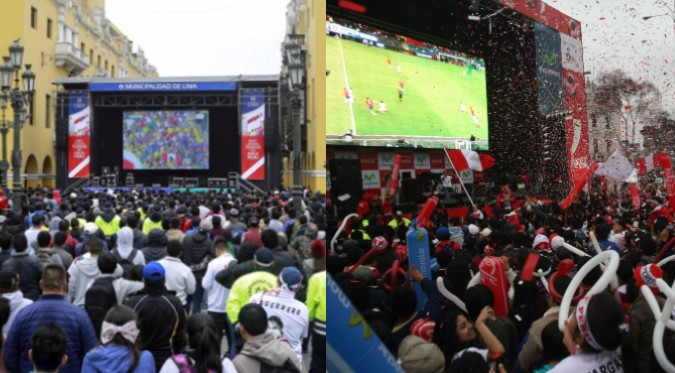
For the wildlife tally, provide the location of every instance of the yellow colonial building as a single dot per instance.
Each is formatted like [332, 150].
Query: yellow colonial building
[307, 17]
[62, 38]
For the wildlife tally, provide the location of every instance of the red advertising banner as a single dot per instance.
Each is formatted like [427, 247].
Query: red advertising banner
[79, 147]
[252, 134]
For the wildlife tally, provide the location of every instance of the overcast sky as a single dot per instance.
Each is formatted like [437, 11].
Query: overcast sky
[204, 37]
[615, 36]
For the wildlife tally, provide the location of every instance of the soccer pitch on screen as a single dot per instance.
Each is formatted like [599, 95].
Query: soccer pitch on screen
[438, 99]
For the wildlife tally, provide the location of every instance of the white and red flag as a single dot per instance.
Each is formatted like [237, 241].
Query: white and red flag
[462, 159]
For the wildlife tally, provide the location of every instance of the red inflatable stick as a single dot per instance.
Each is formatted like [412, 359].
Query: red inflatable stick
[426, 212]
[665, 249]
[635, 196]
[393, 184]
[667, 167]
[493, 276]
[378, 245]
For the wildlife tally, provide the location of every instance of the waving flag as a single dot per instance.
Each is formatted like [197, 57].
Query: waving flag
[462, 159]
[648, 163]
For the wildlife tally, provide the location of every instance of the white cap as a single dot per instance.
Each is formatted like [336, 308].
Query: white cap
[90, 228]
[540, 238]
[473, 229]
[486, 232]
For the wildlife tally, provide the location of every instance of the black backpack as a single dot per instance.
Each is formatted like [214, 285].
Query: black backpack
[98, 300]
[127, 263]
[287, 367]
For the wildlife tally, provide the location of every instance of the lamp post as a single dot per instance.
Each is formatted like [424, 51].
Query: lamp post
[4, 128]
[19, 99]
[296, 68]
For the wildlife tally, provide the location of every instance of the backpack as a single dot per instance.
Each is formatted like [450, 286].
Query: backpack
[185, 365]
[127, 263]
[98, 300]
[287, 367]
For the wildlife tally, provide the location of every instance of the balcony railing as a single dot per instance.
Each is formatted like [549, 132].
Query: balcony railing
[71, 58]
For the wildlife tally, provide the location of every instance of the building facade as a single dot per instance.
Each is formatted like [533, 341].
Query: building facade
[307, 17]
[62, 38]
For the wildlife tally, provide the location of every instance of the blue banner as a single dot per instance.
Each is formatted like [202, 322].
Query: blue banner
[549, 69]
[252, 112]
[162, 86]
[418, 257]
[352, 346]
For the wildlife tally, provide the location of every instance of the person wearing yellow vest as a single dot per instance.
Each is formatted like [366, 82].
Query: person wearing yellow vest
[108, 222]
[399, 219]
[261, 279]
[154, 220]
[357, 226]
[316, 304]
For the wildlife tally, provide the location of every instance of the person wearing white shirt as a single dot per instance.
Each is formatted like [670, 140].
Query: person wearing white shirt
[9, 287]
[32, 232]
[217, 293]
[179, 277]
[282, 304]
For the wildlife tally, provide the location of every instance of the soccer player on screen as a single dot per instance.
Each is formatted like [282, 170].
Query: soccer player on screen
[348, 95]
[462, 108]
[382, 108]
[371, 104]
[400, 94]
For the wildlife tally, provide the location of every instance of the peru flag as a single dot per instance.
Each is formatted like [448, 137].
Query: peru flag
[648, 163]
[463, 159]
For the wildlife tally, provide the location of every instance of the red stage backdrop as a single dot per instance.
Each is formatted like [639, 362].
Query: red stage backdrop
[252, 134]
[79, 154]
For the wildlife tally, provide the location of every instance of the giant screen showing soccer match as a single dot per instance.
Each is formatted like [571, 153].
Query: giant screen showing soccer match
[171, 139]
[383, 89]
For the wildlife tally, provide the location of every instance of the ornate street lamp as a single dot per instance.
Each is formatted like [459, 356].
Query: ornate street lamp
[295, 57]
[4, 128]
[21, 101]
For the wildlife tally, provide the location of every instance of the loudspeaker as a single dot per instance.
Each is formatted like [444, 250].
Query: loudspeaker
[345, 175]
[346, 185]
[62, 133]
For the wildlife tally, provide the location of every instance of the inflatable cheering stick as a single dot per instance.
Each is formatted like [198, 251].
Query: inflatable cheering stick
[418, 257]
[378, 245]
[493, 276]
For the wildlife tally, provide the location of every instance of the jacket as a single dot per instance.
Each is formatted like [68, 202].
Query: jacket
[197, 251]
[175, 234]
[316, 302]
[82, 273]
[49, 308]
[108, 223]
[123, 287]
[16, 303]
[66, 257]
[161, 321]
[115, 358]
[640, 352]
[229, 275]
[244, 287]
[154, 221]
[29, 269]
[266, 348]
[533, 350]
[283, 259]
[140, 239]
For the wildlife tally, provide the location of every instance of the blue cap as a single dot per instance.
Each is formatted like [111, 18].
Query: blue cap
[153, 271]
[443, 233]
[263, 256]
[290, 278]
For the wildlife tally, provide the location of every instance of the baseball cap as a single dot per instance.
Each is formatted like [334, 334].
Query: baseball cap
[90, 228]
[263, 257]
[290, 278]
[153, 271]
[233, 212]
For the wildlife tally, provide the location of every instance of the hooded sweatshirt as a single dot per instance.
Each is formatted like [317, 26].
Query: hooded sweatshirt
[82, 273]
[115, 358]
[16, 303]
[156, 248]
[266, 348]
[125, 245]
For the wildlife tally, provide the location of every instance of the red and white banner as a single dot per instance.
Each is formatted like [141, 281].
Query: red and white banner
[663, 160]
[647, 163]
[79, 145]
[463, 159]
[252, 134]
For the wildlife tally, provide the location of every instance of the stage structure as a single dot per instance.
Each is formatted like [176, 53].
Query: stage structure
[205, 132]
[503, 77]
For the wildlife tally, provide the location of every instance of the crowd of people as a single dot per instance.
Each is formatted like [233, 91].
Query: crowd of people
[493, 296]
[155, 282]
